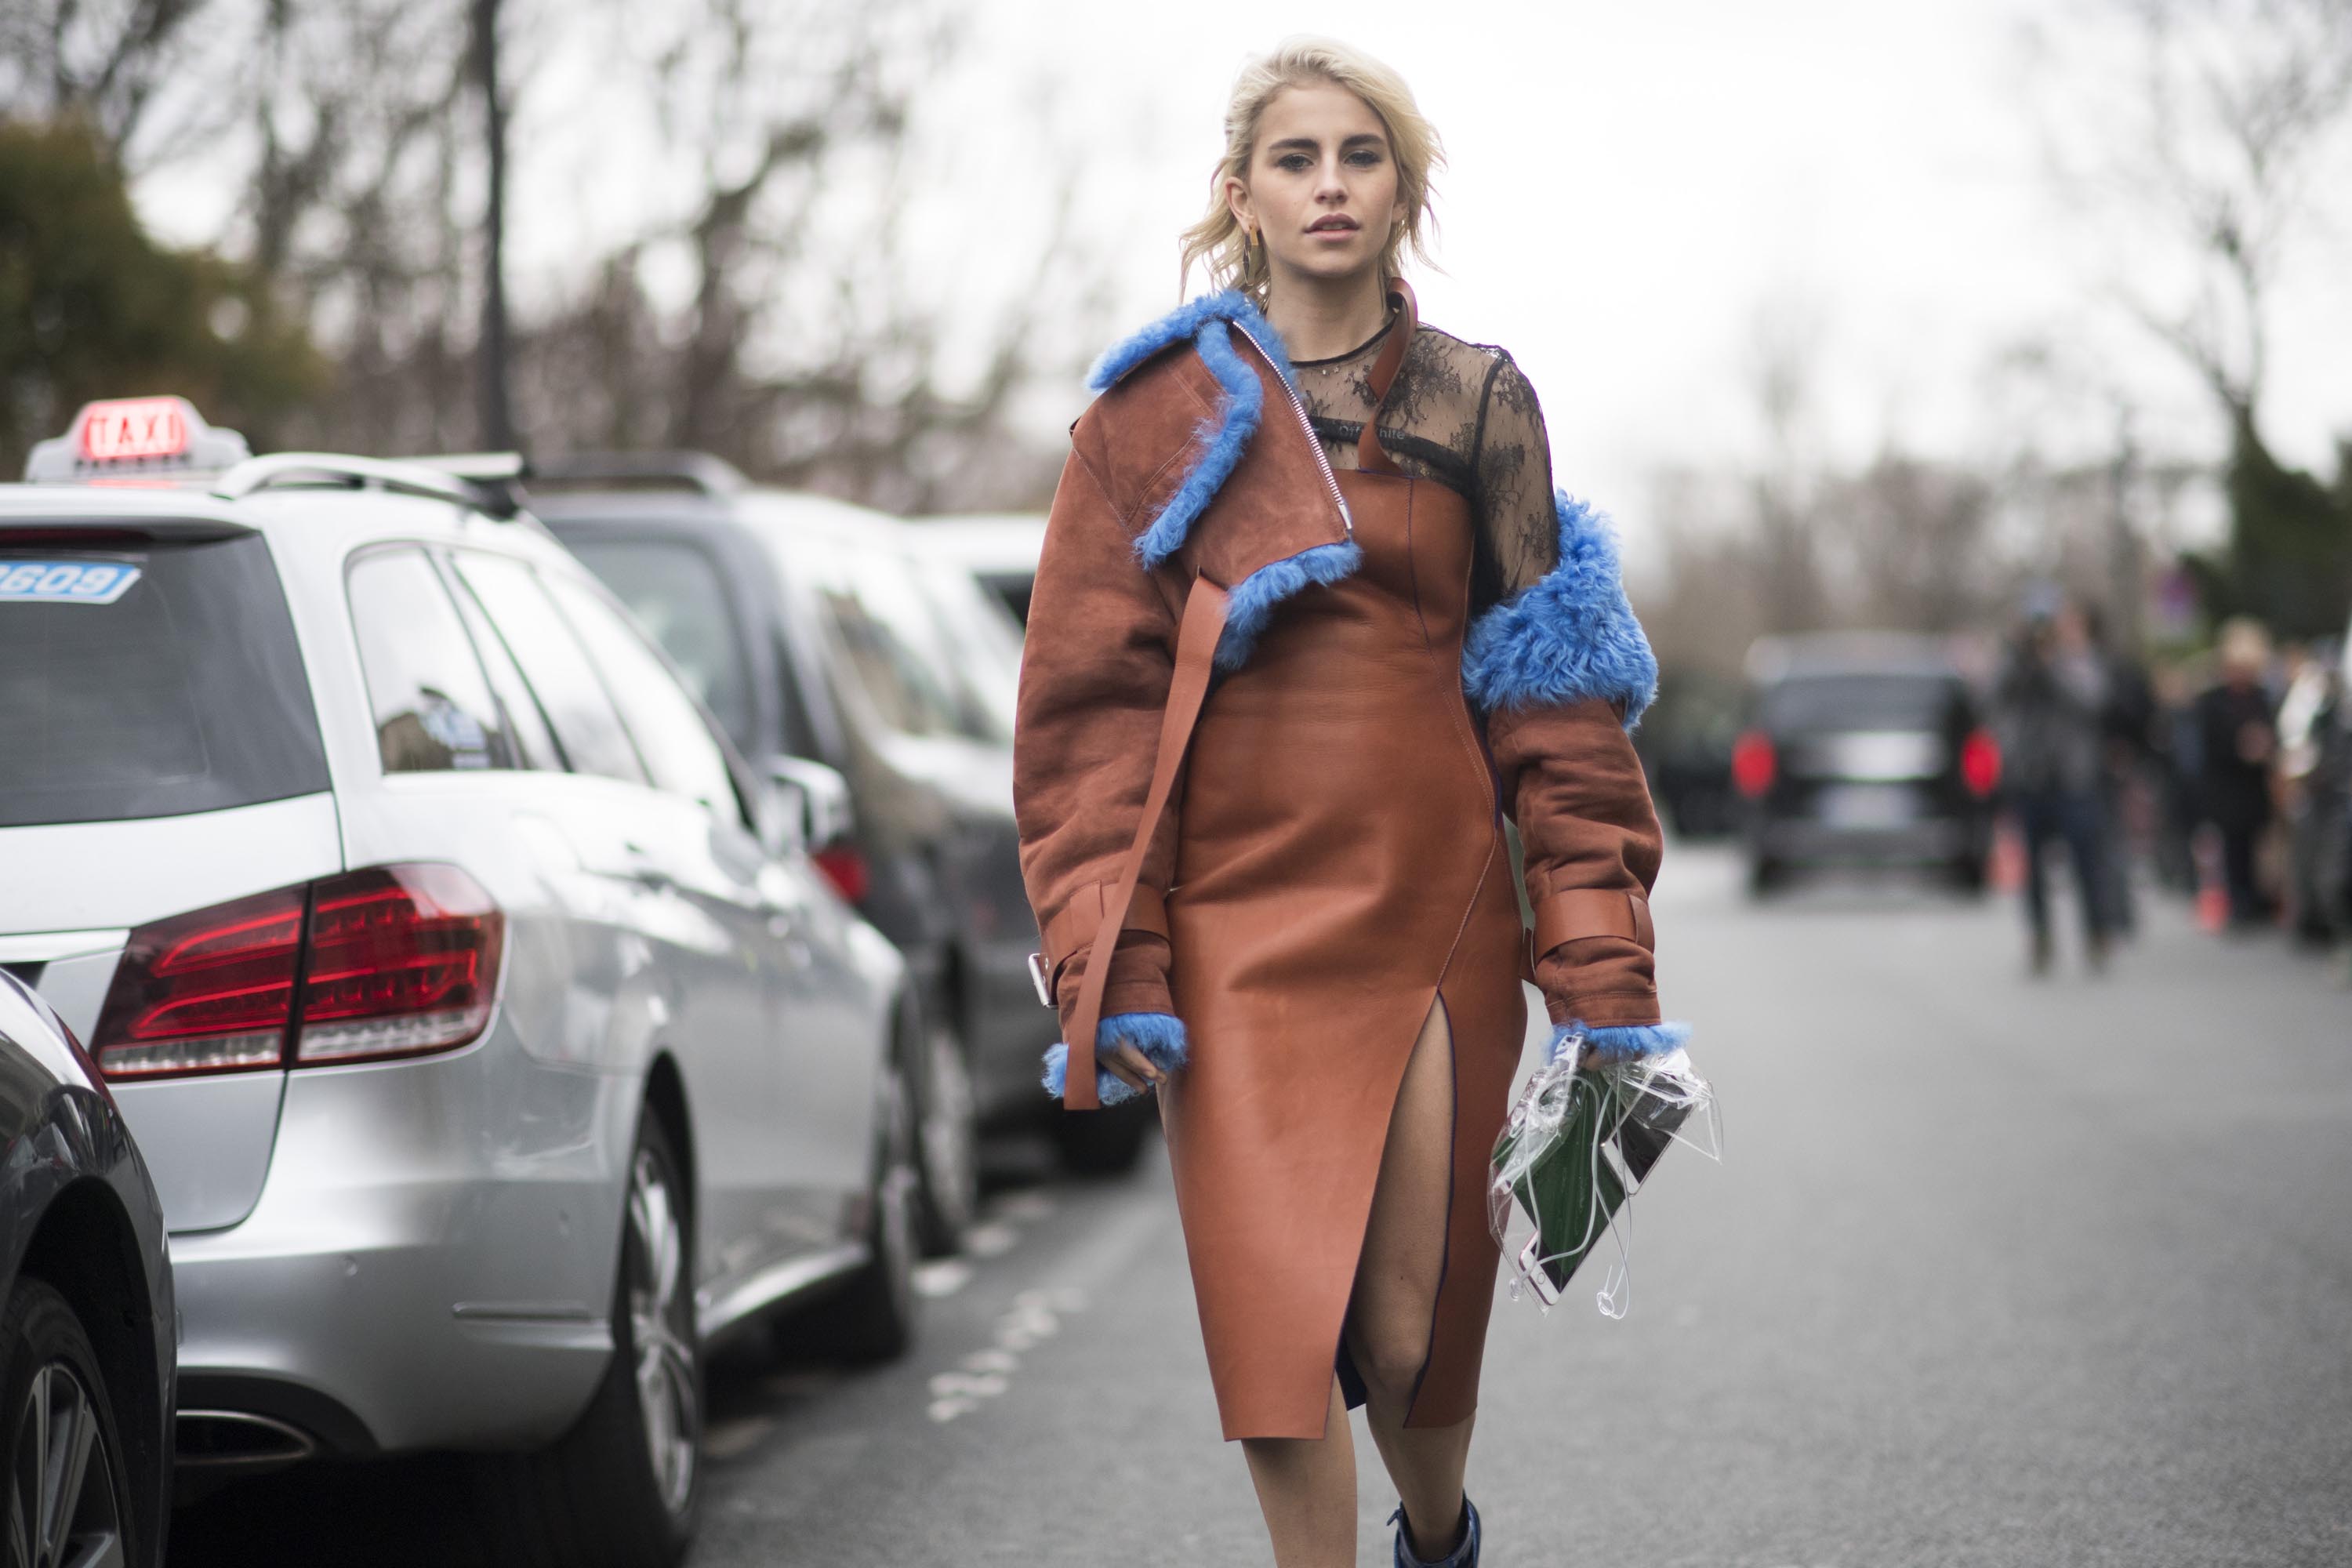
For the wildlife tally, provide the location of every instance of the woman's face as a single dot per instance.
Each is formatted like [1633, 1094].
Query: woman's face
[1322, 186]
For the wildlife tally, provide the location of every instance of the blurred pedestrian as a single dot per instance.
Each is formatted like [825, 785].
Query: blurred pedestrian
[2174, 759]
[2126, 723]
[2237, 745]
[2312, 790]
[2052, 698]
[1364, 541]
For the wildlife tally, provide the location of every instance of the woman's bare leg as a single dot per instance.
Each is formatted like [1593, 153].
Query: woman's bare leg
[1307, 1490]
[1395, 1301]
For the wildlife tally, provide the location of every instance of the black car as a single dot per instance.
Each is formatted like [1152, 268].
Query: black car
[87, 1337]
[836, 648]
[1864, 748]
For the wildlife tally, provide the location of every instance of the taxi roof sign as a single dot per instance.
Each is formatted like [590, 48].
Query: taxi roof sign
[130, 437]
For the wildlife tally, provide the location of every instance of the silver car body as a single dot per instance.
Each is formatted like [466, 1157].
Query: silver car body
[422, 1253]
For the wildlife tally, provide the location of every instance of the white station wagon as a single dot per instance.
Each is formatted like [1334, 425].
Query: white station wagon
[492, 1042]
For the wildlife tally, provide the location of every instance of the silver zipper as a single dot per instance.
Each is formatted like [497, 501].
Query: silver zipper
[1313, 442]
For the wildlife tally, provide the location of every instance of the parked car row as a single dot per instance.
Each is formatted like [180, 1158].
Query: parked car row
[507, 1003]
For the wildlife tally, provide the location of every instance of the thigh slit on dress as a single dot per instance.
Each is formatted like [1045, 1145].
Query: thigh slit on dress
[1342, 876]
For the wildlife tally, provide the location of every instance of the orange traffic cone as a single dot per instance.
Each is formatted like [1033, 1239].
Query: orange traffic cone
[2007, 872]
[2212, 894]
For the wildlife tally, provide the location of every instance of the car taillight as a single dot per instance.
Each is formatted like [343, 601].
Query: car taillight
[207, 992]
[403, 959]
[1752, 763]
[844, 866]
[1980, 764]
[394, 960]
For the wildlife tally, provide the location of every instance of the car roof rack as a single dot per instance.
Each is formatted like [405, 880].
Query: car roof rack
[696, 471]
[436, 478]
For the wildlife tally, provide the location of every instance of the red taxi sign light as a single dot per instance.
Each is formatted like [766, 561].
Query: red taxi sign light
[133, 440]
[124, 427]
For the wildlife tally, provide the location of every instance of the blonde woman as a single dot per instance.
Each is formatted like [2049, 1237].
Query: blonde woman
[1309, 624]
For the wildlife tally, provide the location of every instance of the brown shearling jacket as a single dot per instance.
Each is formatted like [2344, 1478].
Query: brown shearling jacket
[1194, 461]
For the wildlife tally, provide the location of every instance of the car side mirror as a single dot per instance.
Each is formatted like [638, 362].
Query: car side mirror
[815, 800]
[778, 819]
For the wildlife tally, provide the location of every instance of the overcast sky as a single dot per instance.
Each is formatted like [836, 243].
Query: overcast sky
[1632, 188]
[1636, 192]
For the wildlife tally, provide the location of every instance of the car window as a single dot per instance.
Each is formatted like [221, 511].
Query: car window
[674, 590]
[986, 648]
[430, 702]
[528, 736]
[885, 633]
[149, 681]
[551, 656]
[1862, 702]
[671, 736]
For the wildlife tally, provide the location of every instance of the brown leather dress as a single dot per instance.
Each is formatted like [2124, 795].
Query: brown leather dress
[1303, 866]
[1339, 801]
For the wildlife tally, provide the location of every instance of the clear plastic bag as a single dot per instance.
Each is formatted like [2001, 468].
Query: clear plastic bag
[1577, 1145]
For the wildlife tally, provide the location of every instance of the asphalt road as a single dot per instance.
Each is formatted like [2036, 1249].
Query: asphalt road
[1996, 1271]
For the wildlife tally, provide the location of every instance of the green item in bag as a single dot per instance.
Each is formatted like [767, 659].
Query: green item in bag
[1578, 1141]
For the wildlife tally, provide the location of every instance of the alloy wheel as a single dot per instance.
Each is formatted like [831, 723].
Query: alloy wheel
[661, 1330]
[895, 1233]
[950, 1145]
[62, 1508]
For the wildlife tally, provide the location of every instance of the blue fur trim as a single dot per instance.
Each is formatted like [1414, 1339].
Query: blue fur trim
[1183, 324]
[1222, 439]
[1226, 434]
[1158, 1035]
[1620, 1042]
[1570, 637]
[1254, 599]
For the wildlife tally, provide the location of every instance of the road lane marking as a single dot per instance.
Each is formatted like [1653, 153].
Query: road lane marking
[729, 1439]
[992, 1239]
[1034, 1317]
[936, 1281]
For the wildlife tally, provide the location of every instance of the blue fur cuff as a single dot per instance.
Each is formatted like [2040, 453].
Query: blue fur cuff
[1571, 637]
[1158, 1035]
[1255, 597]
[1620, 1043]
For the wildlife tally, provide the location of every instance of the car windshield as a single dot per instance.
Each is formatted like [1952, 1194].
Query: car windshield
[987, 643]
[891, 642]
[151, 681]
[1861, 701]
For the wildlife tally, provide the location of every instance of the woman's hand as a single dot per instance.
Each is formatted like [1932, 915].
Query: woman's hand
[1129, 1066]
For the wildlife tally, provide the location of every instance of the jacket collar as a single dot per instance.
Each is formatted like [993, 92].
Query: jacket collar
[1235, 505]
[1184, 324]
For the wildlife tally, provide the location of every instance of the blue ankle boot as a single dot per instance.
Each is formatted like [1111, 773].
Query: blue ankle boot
[1466, 1549]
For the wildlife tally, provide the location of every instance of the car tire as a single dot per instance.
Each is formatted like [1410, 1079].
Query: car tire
[1106, 1143]
[624, 1487]
[1765, 877]
[947, 1145]
[871, 1317]
[1968, 874]
[53, 1396]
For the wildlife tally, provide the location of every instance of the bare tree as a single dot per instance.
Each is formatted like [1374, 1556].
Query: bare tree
[102, 62]
[2214, 161]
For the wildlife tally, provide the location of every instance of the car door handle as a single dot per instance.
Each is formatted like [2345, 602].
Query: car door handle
[642, 867]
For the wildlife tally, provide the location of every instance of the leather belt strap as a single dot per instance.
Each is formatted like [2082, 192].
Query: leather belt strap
[1196, 648]
[1369, 454]
[1569, 914]
[1073, 931]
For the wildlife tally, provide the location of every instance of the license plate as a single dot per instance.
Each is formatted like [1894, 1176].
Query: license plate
[1864, 806]
[65, 582]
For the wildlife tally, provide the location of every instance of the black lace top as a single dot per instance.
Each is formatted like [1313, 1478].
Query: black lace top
[1460, 414]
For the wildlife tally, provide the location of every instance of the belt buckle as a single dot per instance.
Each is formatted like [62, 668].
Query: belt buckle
[1037, 978]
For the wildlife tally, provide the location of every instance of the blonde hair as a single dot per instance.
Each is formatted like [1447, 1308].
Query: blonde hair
[1220, 242]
